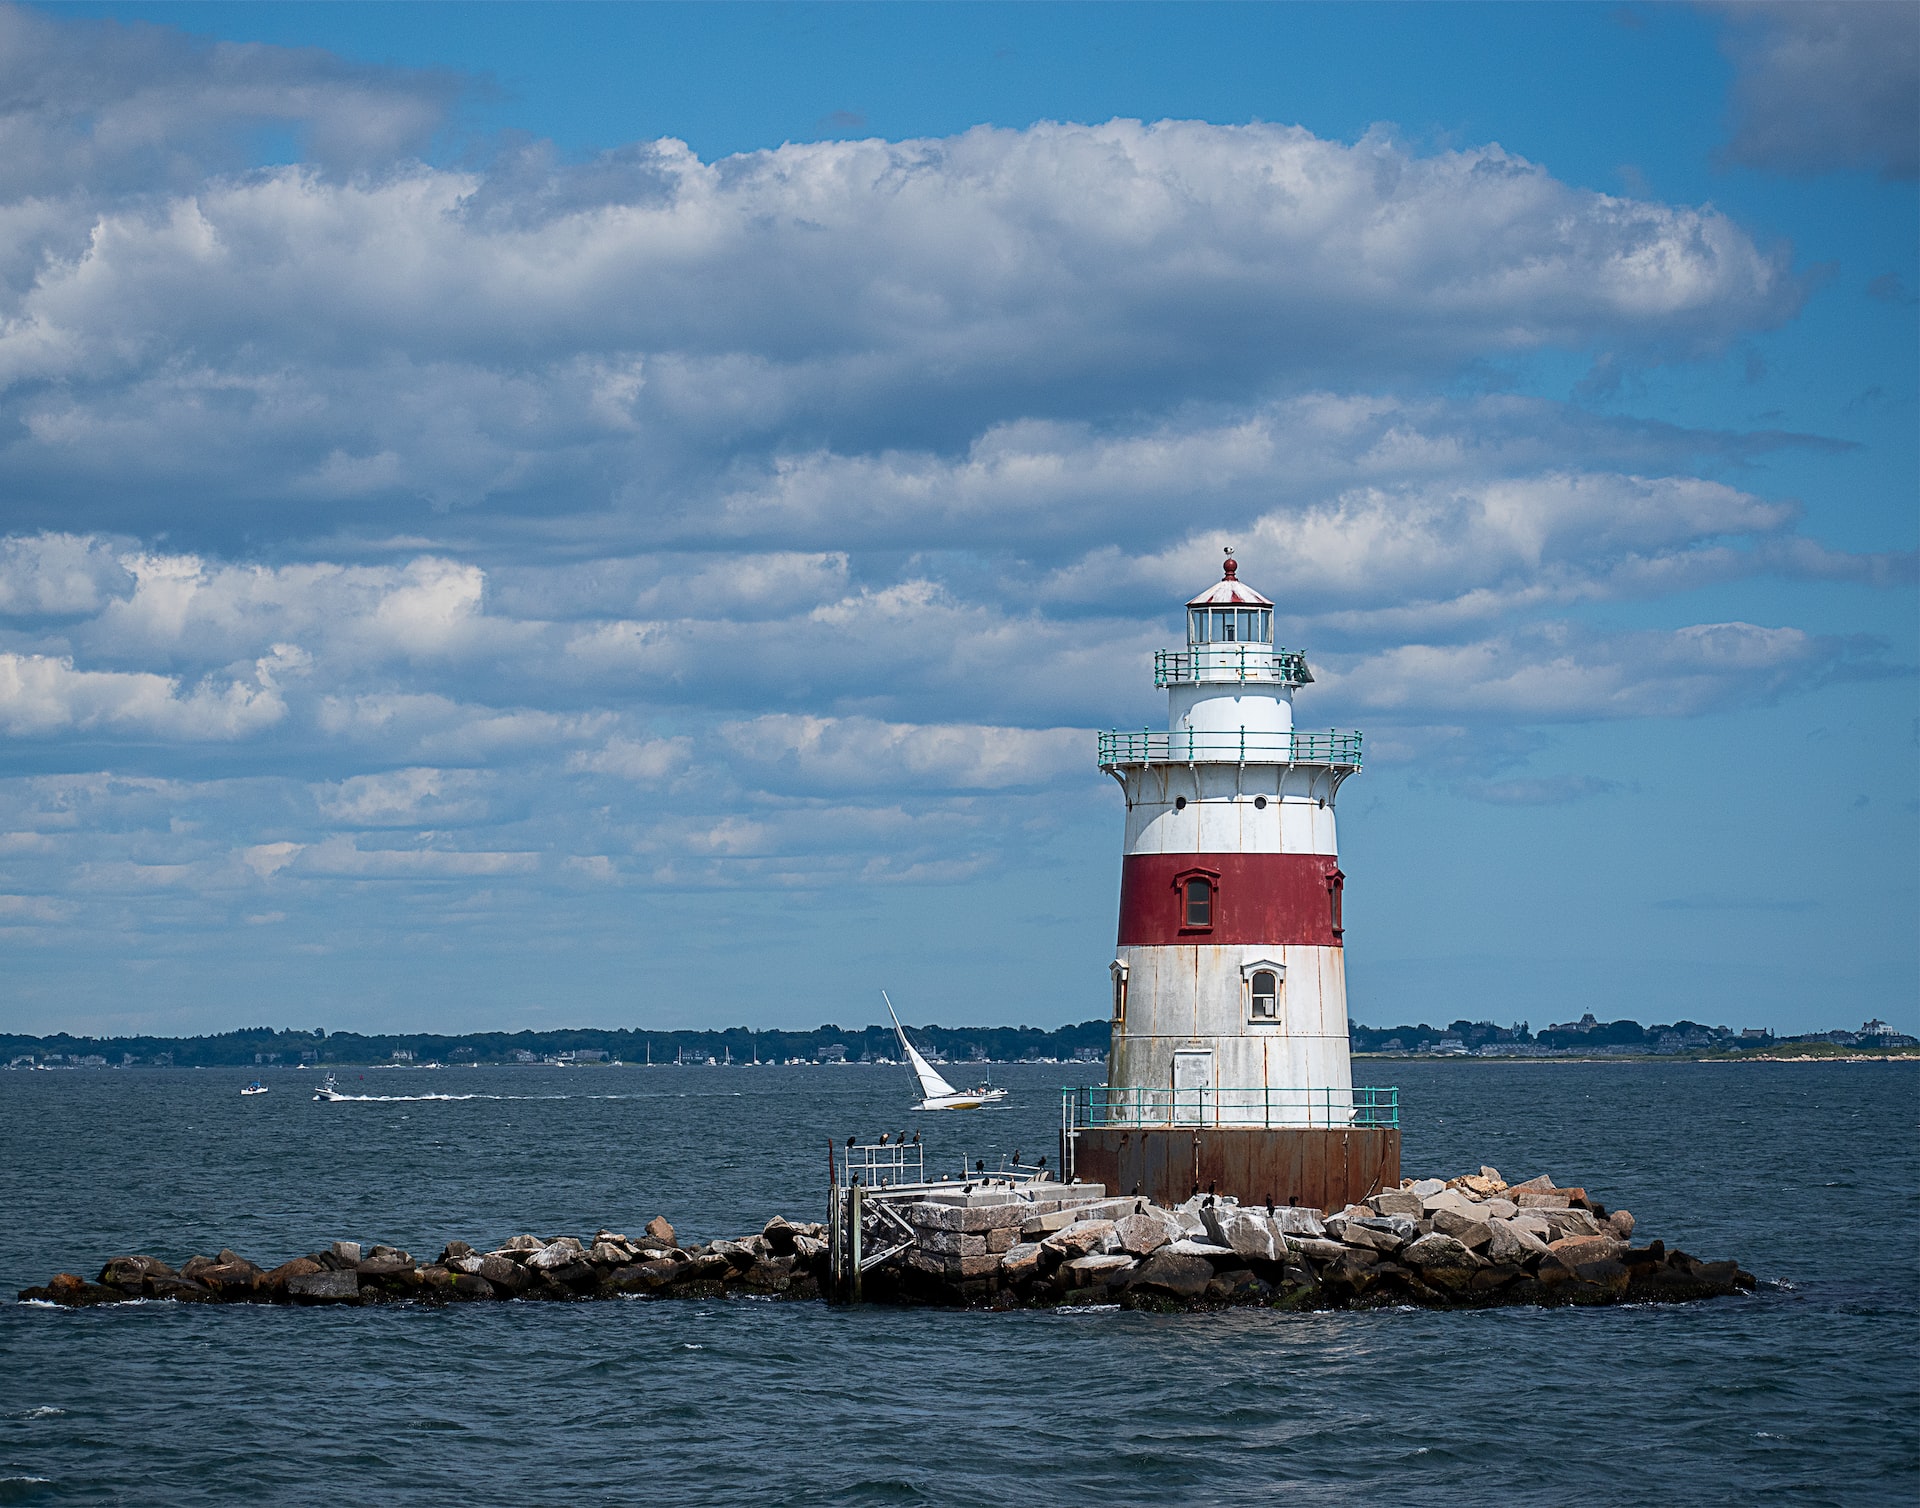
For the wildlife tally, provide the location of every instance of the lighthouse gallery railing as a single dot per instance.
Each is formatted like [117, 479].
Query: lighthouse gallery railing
[1269, 1108]
[1333, 747]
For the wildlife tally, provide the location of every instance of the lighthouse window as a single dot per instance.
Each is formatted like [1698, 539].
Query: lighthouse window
[1266, 991]
[1199, 903]
[1224, 619]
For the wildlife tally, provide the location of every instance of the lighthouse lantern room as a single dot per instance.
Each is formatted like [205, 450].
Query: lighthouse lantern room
[1229, 1069]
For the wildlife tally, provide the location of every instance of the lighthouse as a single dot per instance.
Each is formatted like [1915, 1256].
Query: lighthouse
[1229, 1069]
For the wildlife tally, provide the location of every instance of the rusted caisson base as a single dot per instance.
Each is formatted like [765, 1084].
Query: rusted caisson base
[1326, 1170]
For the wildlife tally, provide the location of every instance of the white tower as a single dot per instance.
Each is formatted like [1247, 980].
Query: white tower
[1229, 978]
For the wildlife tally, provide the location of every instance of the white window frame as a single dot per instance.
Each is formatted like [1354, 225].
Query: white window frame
[1120, 971]
[1271, 966]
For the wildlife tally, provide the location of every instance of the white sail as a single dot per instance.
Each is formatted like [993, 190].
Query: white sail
[932, 1086]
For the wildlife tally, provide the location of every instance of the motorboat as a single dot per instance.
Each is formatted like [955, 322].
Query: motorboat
[935, 1092]
[256, 1087]
[329, 1089]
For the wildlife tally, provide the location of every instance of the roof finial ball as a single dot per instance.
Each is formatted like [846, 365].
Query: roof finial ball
[1232, 565]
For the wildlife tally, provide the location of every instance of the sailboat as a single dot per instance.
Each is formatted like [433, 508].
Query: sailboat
[935, 1092]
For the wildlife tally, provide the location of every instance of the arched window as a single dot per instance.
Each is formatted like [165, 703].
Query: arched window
[1198, 910]
[1119, 971]
[1266, 995]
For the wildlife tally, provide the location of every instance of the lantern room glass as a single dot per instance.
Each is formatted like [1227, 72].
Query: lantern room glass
[1229, 625]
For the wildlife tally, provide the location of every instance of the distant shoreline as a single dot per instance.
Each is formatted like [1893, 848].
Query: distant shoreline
[1896, 1055]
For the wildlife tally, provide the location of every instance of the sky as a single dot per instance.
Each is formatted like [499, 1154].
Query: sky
[544, 515]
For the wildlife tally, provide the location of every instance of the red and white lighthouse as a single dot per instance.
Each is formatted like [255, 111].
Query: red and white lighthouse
[1229, 1067]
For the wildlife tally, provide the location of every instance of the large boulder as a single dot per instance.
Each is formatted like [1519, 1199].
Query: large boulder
[556, 1254]
[658, 1230]
[1370, 1235]
[1174, 1272]
[1021, 1262]
[1570, 1223]
[1317, 1249]
[1143, 1234]
[1397, 1202]
[1425, 1188]
[346, 1251]
[524, 1244]
[1510, 1244]
[1574, 1250]
[782, 1236]
[1451, 1199]
[1504, 1209]
[1079, 1239]
[1620, 1223]
[1474, 1234]
[503, 1273]
[1298, 1220]
[1243, 1233]
[1437, 1250]
[276, 1281]
[1538, 1184]
[327, 1287]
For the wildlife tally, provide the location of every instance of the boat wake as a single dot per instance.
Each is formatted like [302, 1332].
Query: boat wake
[335, 1097]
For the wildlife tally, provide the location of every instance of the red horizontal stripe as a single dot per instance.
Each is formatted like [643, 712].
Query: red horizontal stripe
[1259, 899]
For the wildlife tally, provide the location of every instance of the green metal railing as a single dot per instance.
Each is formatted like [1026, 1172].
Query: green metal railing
[1230, 664]
[1334, 747]
[1107, 1105]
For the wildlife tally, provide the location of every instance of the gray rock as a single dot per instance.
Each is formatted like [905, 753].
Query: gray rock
[1361, 1237]
[330, 1286]
[1246, 1235]
[1021, 1262]
[1538, 1184]
[1099, 1265]
[346, 1251]
[1396, 1202]
[524, 1243]
[503, 1272]
[555, 1255]
[1495, 1206]
[1170, 1271]
[1571, 1223]
[1298, 1220]
[1426, 1188]
[1079, 1239]
[1144, 1234]
[1534, 1225]
[1620, 1223]
[1319, 1249]
[1451, 1199]
[1509, 1243]
[1190, 1222]
[1439, 1251]
[1187, 1247]
[1469, 1232]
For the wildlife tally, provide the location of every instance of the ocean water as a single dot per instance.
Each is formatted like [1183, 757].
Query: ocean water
[1804, 1392]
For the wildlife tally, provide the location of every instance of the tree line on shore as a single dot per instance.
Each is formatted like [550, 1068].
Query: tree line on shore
[282, 1047]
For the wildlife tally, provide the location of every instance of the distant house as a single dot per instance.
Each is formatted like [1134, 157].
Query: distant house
[833, 1052]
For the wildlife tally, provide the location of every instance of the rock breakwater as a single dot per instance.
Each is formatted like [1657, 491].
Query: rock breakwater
[1469, 1242]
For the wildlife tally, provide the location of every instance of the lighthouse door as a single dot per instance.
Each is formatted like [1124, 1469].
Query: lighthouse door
[1192, 1085]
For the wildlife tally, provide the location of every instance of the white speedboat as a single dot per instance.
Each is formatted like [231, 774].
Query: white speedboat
[256, 1087]
[328, 1090]
[935, 1092]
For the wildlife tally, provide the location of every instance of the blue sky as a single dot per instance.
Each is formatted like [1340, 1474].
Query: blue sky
[534, 515]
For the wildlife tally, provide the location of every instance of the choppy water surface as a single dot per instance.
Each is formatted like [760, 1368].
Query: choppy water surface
[1804, 1392]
